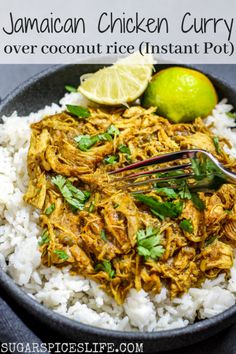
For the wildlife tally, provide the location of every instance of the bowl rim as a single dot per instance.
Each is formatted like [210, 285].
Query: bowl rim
[31, 305]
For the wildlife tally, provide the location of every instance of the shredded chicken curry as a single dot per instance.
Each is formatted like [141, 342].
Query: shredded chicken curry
[107, 233]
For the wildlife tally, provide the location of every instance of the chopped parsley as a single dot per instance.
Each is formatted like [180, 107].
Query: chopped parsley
[50, 209]
[44, 238]
[70, 88]
[78, 111]
[186, 225]
[74, 196]
[110, 159]
[61, 254]
[216, 143]
[148, 243]
[106, 266]
[164, 209]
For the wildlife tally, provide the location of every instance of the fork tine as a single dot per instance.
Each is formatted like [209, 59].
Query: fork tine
[161, 179]
[146, 173]
[183, 154]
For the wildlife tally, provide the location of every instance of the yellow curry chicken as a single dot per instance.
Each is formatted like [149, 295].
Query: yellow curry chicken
[120, 239]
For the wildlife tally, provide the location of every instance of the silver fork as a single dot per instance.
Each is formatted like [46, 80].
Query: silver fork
[188, 171]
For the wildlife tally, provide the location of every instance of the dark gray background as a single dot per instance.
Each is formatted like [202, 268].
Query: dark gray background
[11, 76]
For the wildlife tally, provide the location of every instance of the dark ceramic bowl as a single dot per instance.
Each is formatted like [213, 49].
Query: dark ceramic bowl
[41, 90]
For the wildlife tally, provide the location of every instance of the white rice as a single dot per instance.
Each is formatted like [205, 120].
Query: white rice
[74, 296]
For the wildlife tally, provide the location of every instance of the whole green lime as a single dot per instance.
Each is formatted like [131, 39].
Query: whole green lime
[180, 94]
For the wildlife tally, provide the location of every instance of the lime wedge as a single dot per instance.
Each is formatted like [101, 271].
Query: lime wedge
[120, 83]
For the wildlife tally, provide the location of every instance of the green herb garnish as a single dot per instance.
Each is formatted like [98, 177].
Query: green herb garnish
[161, 217]
[171, 209]
[85, 142]
[61, 254]
[104, 137]
[50, 209]
[210, 240]
[231, 115]
[204, 168]
[106, 266]
[216, 143]
[198, 202]
[74, 196]
[78, 111]
[124, 149]
[103, 235]
[91, 207]
[44, 238]
[113, 130]
[184, 192]
[148, 243]
[70, 88]
[166, 192]
[111, 159]
[186, 225]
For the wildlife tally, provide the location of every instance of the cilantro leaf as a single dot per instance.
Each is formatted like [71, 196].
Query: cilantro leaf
[124, 149]
[216, 143]
[50, 209]
[106, 266]
[104, 137]
[44, 238]
[91, 207]
[78, 111]
[103, 235]
[148, 243]
[186, 225]
[61, 254]
[171, 209]
[204, 168]
[184, 192]
[168, 192]
[70, 88]
[199, 203]
[210, 240]
[85, 142]
[74, 196]
[231, 115]
[113, 130]
[110, 159]
[161, 217]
